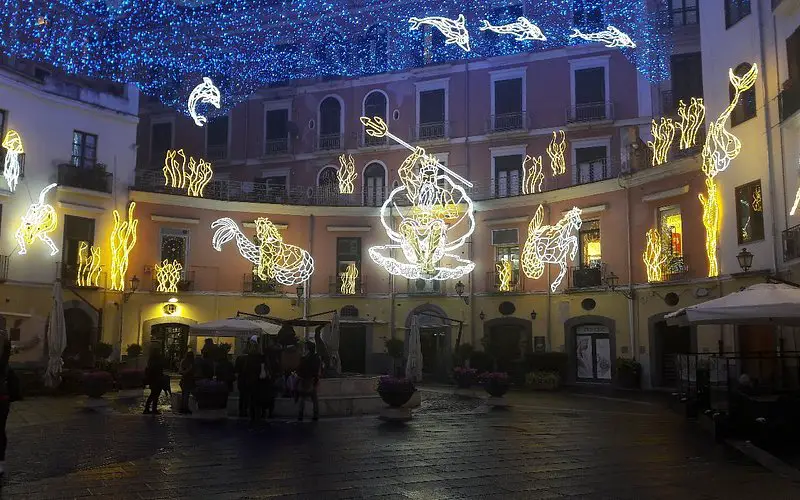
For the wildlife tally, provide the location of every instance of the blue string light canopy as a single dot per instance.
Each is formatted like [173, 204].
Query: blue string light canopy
[165, 47]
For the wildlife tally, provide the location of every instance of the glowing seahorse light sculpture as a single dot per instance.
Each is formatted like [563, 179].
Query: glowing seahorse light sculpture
[532, 175]
[692, 117]
[611, 37]
[194, 175]
[556, 244]
[653, 256]
[663, 135]
[348, 278]
[555, 150]
[454, 30]
[11, 167]
[205, 93]
[346, 174]
[37, 223]
[436, 216]
[123, 239]
[521, 29]
[168, 275]
[88, 265]
[504, 272]
[273, 259]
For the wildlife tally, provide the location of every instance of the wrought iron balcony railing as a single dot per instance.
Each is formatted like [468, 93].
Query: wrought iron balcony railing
[589, 112]
[276, 146]
[586, 276]
[365, 140]
[335, 286]
[507, 122]
[252, 284]
[791, 243]
[494, 282]
[328, 142]
[431, 131]
[426, 287]
[94, 179]
[3, 268]
[216, 152]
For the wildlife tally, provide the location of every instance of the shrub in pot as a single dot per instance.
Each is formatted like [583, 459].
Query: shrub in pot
[133, 350]
[465, 377]
[103, 350]
[211, 395]
[130, 378]
[395, 350]
[543, 380]
[629, 373]
[495, 383]
[96, 383]
[395, 391]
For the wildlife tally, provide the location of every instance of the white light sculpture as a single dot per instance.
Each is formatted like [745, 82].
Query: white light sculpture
[274, 259]
[11, 167]
[454, 30]
[554, 244]
[532, 175]
[522, 29]
[611, 37]
[346, 175]
[205, 93]
[436, 216]
[38, 221]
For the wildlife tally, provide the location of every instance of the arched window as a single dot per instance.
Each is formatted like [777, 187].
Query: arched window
[746, 108]
[328, 186]
[374, 185]
[330, 124]
[375, 104]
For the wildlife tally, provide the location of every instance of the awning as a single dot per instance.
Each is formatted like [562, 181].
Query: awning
[764, 303]
[234, 327]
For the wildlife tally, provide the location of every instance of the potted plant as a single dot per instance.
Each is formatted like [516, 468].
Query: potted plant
[465, 377]
[495, 383]
[543, 380]
[395, 391]
[211, 395]
[464, 353]
[133, 350]
[395, 350]
[629, 373]
[130, 382]
[96, 383]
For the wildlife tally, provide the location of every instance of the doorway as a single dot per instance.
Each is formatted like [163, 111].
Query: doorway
[758, 346]
[433, 344]
[80, 332]
[593, 354]
[172, 339]
[353, 348]
[668, 342]
[506, 344]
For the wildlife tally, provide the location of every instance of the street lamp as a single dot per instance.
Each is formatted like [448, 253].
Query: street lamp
[745, 259]
[460, 291]
[611, 282]
[133, 285]
[300, 293]
[482, 316]
[533, 315]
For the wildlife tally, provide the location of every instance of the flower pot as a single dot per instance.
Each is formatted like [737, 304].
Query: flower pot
[496, 388]
[466, 378]
[129, 379]
[96, 384]
[396, 398]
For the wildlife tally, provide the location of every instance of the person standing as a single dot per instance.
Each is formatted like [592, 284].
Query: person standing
[187, 380]
[257, 375]
[241, 380]
[154, 376]
[309, 372]
[9, 389]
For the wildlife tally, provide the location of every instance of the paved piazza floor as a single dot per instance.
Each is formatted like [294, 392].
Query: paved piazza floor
[545, 446]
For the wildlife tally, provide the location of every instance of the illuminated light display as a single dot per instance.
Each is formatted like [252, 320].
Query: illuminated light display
[555, 150]
[554, 244]
[274, 259]
[436, 216]
[692, 117]
[348, 278]
[711, 204]
[346, 174]
[612, 37]
[654, 256]
[37, 223]
[123, 239]
[532, 175]
[521, 29]
[204, 93]
[454, 30]
[796, 202]
[12, 142]
[663, 135]
[168, 275]
[758, 204]
[88, 265]
[504, 273]
[194, 176]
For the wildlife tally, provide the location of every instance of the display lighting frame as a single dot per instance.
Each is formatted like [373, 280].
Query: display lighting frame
[653, 256]
[12, 169]
[204, 93]
[504, 274]
[555, 150]
[551, 244]
[36, 223]
[89, 262]
[532, 175]
[349, 277]
[522, 30]
[346, 175]
[612, 37]
[193, 176]
[692, 118]
[168, 275]
[663, 132]
[123, 240]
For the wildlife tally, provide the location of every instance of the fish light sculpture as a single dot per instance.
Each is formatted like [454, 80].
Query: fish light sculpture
[522, 29]
[454, 30]
[204, 93]
[611, 37]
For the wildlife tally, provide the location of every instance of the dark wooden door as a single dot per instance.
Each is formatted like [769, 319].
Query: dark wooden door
[353, 349]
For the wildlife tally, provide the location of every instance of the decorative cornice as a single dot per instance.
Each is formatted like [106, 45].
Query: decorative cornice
[177, 220]
[669, 193]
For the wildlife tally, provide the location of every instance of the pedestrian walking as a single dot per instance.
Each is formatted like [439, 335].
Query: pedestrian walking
[187, 380]
[309, 372]
[154, 377]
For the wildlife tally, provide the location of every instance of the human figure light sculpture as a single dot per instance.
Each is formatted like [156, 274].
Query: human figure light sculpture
[194, 175]
[663, 135]
[521, 29]
[454, 30]
[123, 239]
[204, 93]
[556, 244]
[692, 117]
[274, 260]
[555, 150]
[612, 37]
[168, 275]
[38, 221]
[532, 176]
[348, 278]
[88, 265]
[436, 216]
[12, 142]
[504, 273]
[346, 174]
[653, 256]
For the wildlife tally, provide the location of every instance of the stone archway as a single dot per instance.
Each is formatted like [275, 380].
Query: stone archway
[435, 339]
[597, 335]
[667, 341]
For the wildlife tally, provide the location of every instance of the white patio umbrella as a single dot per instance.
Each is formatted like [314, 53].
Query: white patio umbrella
[764, 303]
[332, 344]
[414, 360]
[56, 339]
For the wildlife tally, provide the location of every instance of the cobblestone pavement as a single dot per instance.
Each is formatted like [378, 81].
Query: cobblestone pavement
[546, 446]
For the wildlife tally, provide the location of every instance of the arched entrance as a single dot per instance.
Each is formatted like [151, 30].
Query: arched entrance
[508, 340]
[81, 332]
[435, 340]
[172, 339]
[591, 348]
[666, 342]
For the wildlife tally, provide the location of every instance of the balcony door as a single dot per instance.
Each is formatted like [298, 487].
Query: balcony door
[432, 114]
[590, 94]
[77, 230]
[374, 185]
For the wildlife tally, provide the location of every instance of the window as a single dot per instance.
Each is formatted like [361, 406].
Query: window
[589, 94]
[670, 225]
[793, 56]
[509, 112]
[683, 12]
[374, 185]
[508, 253]
[507, 175]
[687, 80]
[749, 212]
[217, 138]
[591, 164]
[432, 114]
[160, 141]
[735, 11]
[587, 14]
[348, 251]
[330, 124]
[84, 149]
[175, 246]
[272, 188]
[375, 104]
[746, 108]
[589, 244]
[276, 131]
[328, 186]
[77, 230]
[40, 73]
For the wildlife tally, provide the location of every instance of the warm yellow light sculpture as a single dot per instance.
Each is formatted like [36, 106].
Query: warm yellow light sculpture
[556, 244]
[168, 274]
[532, 175]
[11, 166]
[663, 134]
[194, 176]
[555, 150]
[123, 239]
[346, 174]
[349, 277]
[88, 265]
[654, 257]
[692, 117]
[504, 273]
[711, 204]
[758, 204]
[37, 223]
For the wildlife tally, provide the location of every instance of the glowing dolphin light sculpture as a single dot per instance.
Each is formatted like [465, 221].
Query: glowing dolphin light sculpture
[611, 37]
[11, 167]
[205, 93]
[521, 29]
[454, 30]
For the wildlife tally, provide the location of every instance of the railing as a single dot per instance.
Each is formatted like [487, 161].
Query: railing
[328, 142]
[365, 140]
[276, 146]
[586, 277]
[3, 268]
[335, 286]
[791, 243]
[426, 287]
[675, 269]
[431, 131]
[69, 277]
[251, 283]
[186, 283]
[507, 122]
[216, 152]
[93, 179]
[515, 285]
[789, 100]
[596, 111]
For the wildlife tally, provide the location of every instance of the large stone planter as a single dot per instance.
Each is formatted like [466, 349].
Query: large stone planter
[396, 399]
[496, 388]
[393, 414]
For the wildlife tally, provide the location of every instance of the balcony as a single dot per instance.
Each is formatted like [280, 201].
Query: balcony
[367, 141]
[590, 112]
[789, 100]
[674, 269]
[791, 243]
[216, 152]
[186, 283]
[493, 282]
[252, 284]
[335, 286]
[276, 146]
[426, 287]
[93, 179]
[328, 142]
[586, 277]
[507, 122]
[431, 131]
[88, 281]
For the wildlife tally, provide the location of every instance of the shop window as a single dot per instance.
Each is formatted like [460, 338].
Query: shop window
[589, 241]
[749, 213]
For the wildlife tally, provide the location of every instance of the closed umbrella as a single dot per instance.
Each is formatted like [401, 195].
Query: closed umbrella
[414, 361]
[332, 344]
[56, 339]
